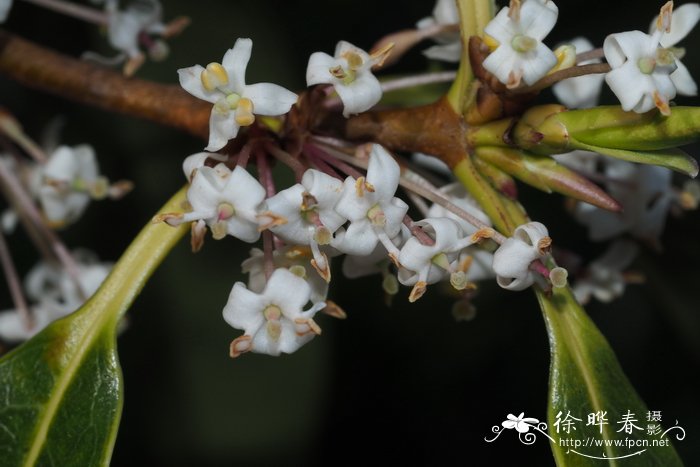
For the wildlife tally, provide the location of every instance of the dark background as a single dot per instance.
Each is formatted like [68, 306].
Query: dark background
[406, 381]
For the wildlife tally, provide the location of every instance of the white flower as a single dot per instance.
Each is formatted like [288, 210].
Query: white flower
[273, 321]
[521, 55]
[645, 193]
[308, 209]
[235, 103]
[425, 263]
[350, 73]
[125, 27]
[450, 48]
[604, 279]
[683, 20]
[196, 161]
[67, 182]
[294, 258]
[5, 6]
[640, 76]
[512, 260]
[581, 92]
[55, 293]
[369, 204]
[227, 201]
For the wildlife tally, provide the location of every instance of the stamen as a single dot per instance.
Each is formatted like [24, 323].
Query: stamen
[663, 22]
[197, 231]
[514, 10]
[214, 76]
[661, 104]
[240, 346]
[418, 291]
[544, 245]
[244, 112]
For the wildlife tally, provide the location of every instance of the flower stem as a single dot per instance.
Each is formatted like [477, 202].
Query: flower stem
[13, 283]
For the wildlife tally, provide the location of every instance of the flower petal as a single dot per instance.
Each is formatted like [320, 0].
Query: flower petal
[683, 20]
[684, 82]
[317, 71]
[360, 95]
[235, 62]
[383, 173]
[191, 81]
[270, 99]
[222, 128]
[244, 309]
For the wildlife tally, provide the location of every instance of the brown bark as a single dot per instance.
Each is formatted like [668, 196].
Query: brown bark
[43, 69]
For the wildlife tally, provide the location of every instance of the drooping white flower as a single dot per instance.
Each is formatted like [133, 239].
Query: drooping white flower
[308, 209]
[369, 204]
[5, 6]
[581, 92]
[450, 45]
[512, 260]
[604, 279]
[228, 201]
[645, 193]
[235, 102]
[350, 73]
[519, 31]
[683, 20]
[273, 321]
[426, 263]
[125, 27]
[296, 259]
[67, 182]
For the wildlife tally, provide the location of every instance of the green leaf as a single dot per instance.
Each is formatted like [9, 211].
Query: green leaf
[61, 391]
[586, 378]
[674, 159]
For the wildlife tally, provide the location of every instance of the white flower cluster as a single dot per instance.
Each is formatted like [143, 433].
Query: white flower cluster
[63, 185]
[322, 217]
[646, 68]
[236, 104]
[54, 293]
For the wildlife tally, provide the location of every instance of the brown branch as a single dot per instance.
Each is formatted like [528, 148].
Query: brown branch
[43, 69]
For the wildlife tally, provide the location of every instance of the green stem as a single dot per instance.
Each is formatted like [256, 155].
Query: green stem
[474, 15]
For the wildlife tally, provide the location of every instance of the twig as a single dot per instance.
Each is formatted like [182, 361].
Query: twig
[13, 283]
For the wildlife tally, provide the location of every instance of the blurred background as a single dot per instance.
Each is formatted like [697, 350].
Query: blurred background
[405, 381]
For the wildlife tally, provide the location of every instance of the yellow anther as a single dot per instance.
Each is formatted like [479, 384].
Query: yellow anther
[360, 187]
[354, 60]
[418, 291]
[490, 42]
[544, 245]
[379, 56]
[566, 58]
[244, 113]
[214, 76]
